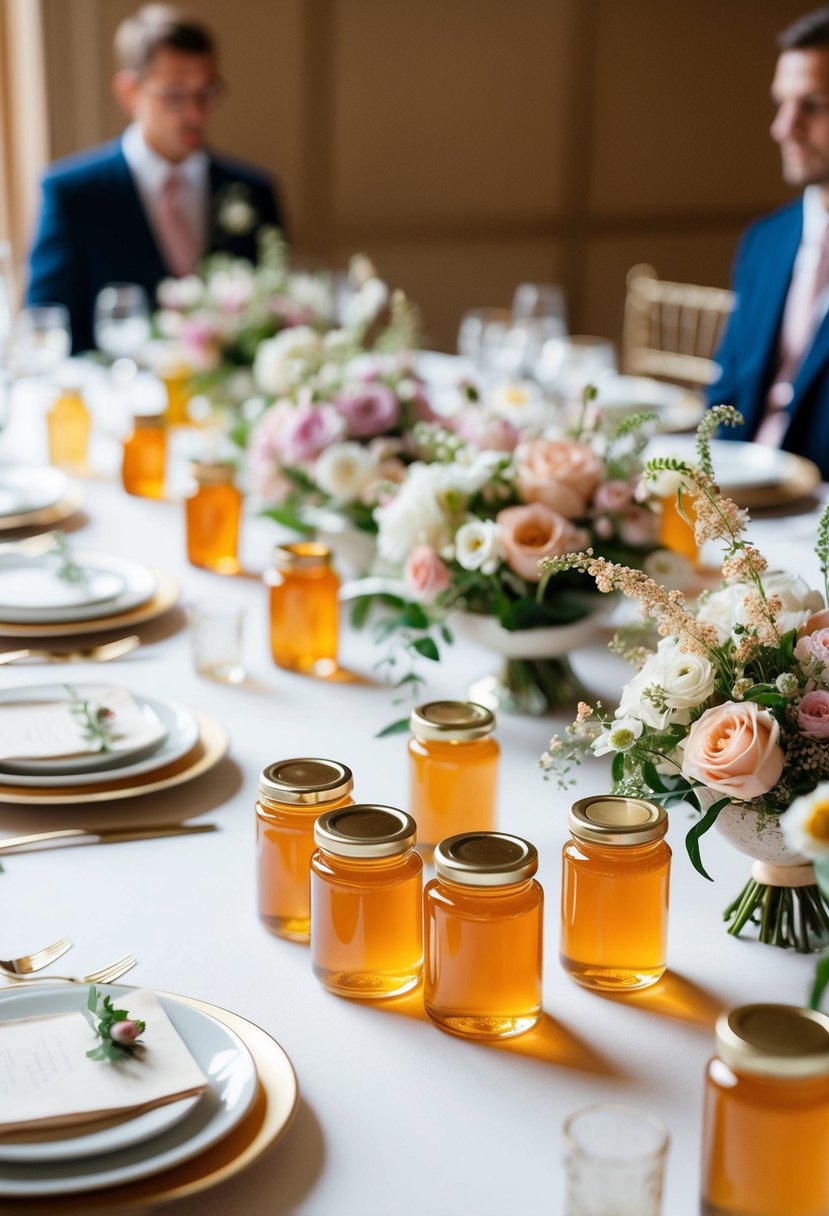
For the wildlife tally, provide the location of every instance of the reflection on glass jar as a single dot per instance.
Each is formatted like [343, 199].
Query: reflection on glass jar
[304, 609]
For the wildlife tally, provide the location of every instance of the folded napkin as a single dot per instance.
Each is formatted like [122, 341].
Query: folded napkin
[47, 1082]
[49, 729]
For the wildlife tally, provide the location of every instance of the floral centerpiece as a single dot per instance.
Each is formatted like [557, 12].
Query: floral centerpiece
[730, 713]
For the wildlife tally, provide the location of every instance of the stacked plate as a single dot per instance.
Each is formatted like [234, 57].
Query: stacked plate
[42, 596]
[751, 474]
[252, 1091]
[35, 495]
[676, 408]
[183, 745]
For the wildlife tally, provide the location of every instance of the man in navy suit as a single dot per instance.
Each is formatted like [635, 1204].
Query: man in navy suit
[151, 203]
[775, 353]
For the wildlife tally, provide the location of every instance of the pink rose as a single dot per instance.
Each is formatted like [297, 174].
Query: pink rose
[126, 1032]
[638, 526]
[612, 496]
[486, 434]
[815, 645]
[310, 430]
[813, 714]
[733, 749]
[818, 620]
[368, 410]
[560, 473]
[530, 533]
[425, 573]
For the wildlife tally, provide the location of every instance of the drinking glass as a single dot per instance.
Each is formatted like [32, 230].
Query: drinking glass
[538, 314]
[217, 634]
[121, 319]
[41, 339]
[614, 1158]
[567, 365]
[488, 338]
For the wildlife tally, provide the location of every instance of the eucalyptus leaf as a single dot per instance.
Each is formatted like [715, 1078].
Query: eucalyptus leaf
[699, 829]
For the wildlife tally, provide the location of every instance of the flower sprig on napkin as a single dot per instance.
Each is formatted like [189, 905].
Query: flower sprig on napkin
[97, 721]
[118, 1032]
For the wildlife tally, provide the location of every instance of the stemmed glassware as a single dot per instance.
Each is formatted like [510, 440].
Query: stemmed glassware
[42, 339]
[121, 320]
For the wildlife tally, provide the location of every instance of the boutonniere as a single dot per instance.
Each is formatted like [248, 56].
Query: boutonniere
[118, 1032]
[235, 210]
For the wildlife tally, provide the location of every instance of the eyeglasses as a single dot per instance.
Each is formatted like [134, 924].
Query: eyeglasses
[178, 99]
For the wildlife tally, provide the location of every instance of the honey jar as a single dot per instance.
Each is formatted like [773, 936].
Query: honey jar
[483, 918]
[366, 911]
[145, 457]
[68, 426]
[212, 515]
[765, 1138]
[453, 770]
[292, 793]
[304, 609]
[614, 893]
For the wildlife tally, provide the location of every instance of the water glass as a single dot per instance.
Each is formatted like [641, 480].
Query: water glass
[540, 302]
[42, 339]
[614, 1159]
[121, 319]
[217, 635]
[567, 365]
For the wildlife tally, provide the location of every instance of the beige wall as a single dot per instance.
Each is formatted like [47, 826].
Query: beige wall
[468, 145]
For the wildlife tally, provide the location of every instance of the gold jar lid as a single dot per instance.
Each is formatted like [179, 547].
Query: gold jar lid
[614, 820]
[305, 781]
[366, 830]
[486, 859]
[774, 1040]
[214, 472]
[158, 419]
[304, 555]
[452, 721]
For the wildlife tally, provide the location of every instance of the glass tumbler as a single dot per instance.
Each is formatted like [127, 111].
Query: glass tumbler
[217, 634]
[614, 1159]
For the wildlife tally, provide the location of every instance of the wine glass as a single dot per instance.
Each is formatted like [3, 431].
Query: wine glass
[538, 313]
[567, 365]
[41, 339]
[121, 320]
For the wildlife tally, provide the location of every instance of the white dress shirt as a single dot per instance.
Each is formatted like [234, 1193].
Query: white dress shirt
[150, 171]
[815, 223]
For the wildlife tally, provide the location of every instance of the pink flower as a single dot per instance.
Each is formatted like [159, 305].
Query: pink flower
[638, 526]
[126, 1032]
[289, 312]
[733, 749]
[612, 496]
[560, 473]
[201, 341]
[529, 533]
[309, 431]
[818, 620]
[425, 573]
[486, 434]
[813, 714]
[815, 645]
[368, 410]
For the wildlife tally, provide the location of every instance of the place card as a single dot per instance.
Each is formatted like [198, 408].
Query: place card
[47, 729]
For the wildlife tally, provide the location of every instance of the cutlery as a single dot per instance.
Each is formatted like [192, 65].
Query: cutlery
[33, 546]
[93, 654]
[13, 844]
[26, 963]
[105, 975]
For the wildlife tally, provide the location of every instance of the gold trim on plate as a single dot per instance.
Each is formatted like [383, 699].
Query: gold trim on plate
[46, 517]
[800, 479]
[165, 598]
[210, 749]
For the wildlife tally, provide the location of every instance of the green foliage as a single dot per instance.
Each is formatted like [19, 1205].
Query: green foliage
[699, 829]
[102, 1016]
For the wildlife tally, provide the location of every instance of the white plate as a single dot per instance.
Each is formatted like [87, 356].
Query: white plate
[736, 465]
[139, 586]
[34, 584]
[678, 409]
[30, 488]
[222, 1057]
[93, 762]
[109, 1140]
[182, 734]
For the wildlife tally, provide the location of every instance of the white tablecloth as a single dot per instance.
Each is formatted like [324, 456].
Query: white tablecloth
[396, 1118]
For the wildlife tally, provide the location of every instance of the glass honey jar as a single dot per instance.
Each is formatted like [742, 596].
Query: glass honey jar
[614, 893]
[213, 513]
[304, 608]
[765, 1138]
[68, 427]
[483, 917]
[366, 902]
[145, 456]
[676, 532]
[292, 793]
[453, 770]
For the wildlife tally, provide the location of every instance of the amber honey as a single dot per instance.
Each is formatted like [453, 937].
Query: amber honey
[614, 893]
[304, 609]
[765, 1142]
[68, 426]
[213, 514]
[145, 457]
[676, 533]
[292, 793]
[366, 902]
[483, 919]
[178, 386]
[453, 770]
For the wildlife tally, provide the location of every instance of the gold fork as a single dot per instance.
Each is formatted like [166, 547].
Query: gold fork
[35, 961]
[104, 975]
[94, 654]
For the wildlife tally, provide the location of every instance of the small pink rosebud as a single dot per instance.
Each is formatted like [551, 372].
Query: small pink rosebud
[125, 1032]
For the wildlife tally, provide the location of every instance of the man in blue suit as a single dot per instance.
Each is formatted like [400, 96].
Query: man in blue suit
[775, 353]
[153, 202]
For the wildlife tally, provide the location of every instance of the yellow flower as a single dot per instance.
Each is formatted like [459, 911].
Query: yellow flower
[805, 824]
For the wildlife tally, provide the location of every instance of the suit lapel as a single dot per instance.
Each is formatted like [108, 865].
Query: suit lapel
[770, 300]
[816, 357]
[145, 246]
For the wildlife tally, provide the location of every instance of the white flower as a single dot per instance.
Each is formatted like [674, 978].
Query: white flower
[726, 608]
[312, 293]
[231, 287]
[671, 570]
[664, 483]
[620, 736]
[237, 216]
[805, 825]
[169, 323]
[181, 294]
[275, 365]
[720, 607]
[337, 340]
[365, 304]
[239, 386]
[688, 679]
[521, 402]
[343, 470]
[413, 517]
[477, 545]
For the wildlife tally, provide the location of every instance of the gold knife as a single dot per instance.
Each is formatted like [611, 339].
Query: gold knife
[13, 844]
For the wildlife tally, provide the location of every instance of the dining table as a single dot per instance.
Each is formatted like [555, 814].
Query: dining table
[395, 1116]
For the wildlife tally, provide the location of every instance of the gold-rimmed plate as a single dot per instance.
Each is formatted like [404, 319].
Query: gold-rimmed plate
[267, 1121]
[211, 748]
[46, 517]
[166, 597]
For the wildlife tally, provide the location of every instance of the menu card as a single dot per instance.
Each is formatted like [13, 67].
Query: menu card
[46, 1080]
[46, 729]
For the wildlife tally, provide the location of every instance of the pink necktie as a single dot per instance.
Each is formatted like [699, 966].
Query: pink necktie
[178, 241]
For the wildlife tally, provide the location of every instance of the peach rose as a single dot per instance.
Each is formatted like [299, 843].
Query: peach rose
[560, 473]
[425, 573]
[733, 749]
[818, 620]
[530, 533]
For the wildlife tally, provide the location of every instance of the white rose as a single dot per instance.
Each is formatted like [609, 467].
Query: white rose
[364, 306]
[182, 294]
[277, 358]
[231, 287]
[634, 704]
[719, 609]
[312, 293]
[169, 323]
[668, 569]
[799, 601]
[343, 470]
[477, 545]
[688, 679]
[413, 517]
